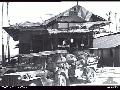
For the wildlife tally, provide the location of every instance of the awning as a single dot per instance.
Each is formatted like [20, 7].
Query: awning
[13, 32]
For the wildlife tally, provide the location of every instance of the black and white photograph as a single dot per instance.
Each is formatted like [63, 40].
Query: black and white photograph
[65, 43]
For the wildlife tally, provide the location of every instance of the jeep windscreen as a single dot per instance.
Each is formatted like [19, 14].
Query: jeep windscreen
[31, 63]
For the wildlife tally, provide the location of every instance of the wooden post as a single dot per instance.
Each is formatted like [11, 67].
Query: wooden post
[3, 58]
[116, 20]
[77, 3]
[8, 38]
[31, 44]
[43, 45]
[51, 44]
[68, 26]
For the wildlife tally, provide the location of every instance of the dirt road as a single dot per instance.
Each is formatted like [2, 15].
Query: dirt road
[104, 77]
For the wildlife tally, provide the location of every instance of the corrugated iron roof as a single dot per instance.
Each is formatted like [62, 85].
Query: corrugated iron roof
[108, 41]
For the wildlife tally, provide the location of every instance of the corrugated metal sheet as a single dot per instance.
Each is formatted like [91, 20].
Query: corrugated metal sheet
[107, 41]
[79, 11]
[84, 13]
[29, 24]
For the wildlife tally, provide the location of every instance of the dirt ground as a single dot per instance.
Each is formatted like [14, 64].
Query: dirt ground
[104, 77]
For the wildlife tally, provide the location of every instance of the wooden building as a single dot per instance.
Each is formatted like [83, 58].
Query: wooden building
[68, 30]
[108, 48]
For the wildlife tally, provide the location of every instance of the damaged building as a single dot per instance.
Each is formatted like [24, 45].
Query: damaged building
[72, 30]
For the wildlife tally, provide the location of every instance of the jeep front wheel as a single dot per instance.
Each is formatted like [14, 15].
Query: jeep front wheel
[61, 80]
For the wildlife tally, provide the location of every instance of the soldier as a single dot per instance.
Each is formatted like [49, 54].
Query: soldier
[71, 59]
[82, 60]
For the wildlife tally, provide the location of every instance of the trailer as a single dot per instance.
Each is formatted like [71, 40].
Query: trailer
[50, 68]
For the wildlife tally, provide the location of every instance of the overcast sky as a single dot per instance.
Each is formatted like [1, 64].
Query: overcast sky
[39, 11]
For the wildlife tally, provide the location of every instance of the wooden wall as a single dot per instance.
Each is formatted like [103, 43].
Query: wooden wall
[109, 56]
[24, 42]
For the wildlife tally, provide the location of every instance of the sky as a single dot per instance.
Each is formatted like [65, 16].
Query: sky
[40, 11]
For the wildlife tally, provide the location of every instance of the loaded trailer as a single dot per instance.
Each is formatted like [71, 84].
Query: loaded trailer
[50, 68]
